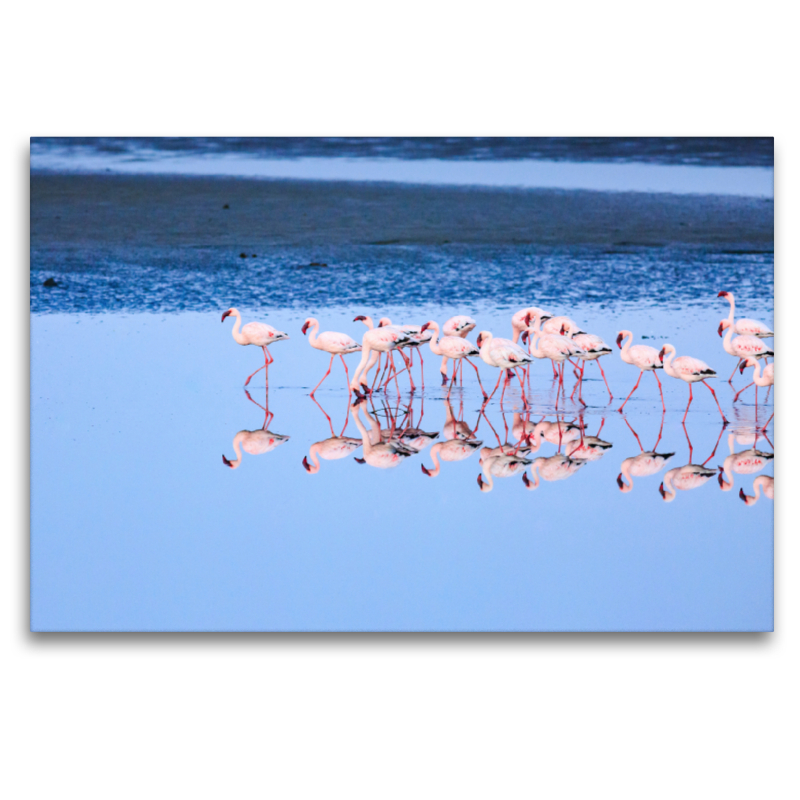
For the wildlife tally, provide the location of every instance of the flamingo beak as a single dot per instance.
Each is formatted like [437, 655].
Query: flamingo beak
[619, 341]
[425, 327]
[304, 329]
[306, 464]
[359, 460]
[563, 329]
[620, 482]
[479, 339]
[524, 337]
[525, 479]
[742, 367]
[720, 329]
[480, 482]
[742, 495]
[226, 314]
[661, 489]
[226, 462]
[359, 318]
[661, 355]
[426, 470]
[527, 320]
[722, 294]
[720, 478]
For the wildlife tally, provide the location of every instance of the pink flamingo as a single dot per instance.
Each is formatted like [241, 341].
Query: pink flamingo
[745, 462]
[384, 455]
[337, 344]
[691, 370]
[742, 346]
[520, 321]
[331, 449]
[500, 465]
[560, 326]
[375, 341]
[593, 348]
[557, 348]
[453, 347]
[644, 465]
[690, 476]
[767, 378]
[748, 327]
[450, 451]
[589, 448]
[555, 468]
[417, 337]
[456, 326]
[256, 333]
[642, 356]
[505, 355]
[762, 481]
[455, 428]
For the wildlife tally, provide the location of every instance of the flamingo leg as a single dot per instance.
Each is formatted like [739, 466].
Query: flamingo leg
[722, 430]
[346, 373]
[500, 377]
[660, 431]
[461, 373]
[579, 376]
[769, 389]
[632, 391]
[479, 378]
[764, 427]
[689, 441]
[325, 376]
[443, 370]
[330, 423]
[257, 371]
[725, 421]
[610, 396]
[661, 391]
[736, 396]
[421, 371]
[635, 434]
[408, 367]
[730, 380]
[687, 405]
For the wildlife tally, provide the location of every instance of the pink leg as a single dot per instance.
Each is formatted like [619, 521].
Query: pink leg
[715, 400]
[730, 380]
[421, 370]
[496, 385]
[408, 367]
[479, 378]
[713, 452]
[764, 427]
[635, 434]
[257, 371]
[632, 391]
[610, 396]
[687, 405]
[325, 376]
[660, 431]
[689, 441]
[736, 396]
[326, 415]
[347, 376]
[661, 392]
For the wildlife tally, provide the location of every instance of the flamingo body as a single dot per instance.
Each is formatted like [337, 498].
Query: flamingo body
[642, 466]
[330, 449]
[690, 476]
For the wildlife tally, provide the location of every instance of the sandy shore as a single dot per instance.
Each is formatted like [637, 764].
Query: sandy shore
[152, 211]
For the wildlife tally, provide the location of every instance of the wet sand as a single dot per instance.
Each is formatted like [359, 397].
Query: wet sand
[69, 211]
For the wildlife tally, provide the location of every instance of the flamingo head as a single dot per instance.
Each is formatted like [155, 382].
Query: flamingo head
[479, 340]
[480, 482]
[426, 470]
[527, 320]
[227, 462]
[359, 318]
[383, 322]
[359, 460]
[524, 337]
[724, 294]
[226, 314]
[526, 480]
[661, 354]
[305, 327]
[620, 482]
[619, 341]
[425, 327]
[663, 493]
[723, 326]
[306, 464]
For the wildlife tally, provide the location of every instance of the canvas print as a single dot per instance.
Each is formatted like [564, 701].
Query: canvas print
[402, 384]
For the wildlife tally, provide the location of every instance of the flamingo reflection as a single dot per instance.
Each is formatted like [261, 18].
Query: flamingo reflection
[643, 465]
[450, 451]
[256, 442]
[745, 462]
[688, 477]
[556, 468]
[761, 482]
[499, 465]
[383, 455]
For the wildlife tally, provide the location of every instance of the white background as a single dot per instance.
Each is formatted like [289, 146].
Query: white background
[393, 716]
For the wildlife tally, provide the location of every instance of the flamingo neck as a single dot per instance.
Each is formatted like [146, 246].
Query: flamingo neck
[726, 342]
[757, 374]
[237, 447]
[435, 458]
[670, 354]
[625, 472]
[726, 484]
[312, 335]
[237, 325]
[669, 489]
[313, 451]
[365, 440]
[433, 342]
[534, 484]
[732, 301]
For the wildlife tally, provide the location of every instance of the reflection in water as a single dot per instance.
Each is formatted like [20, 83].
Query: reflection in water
[451, 450]
[499, 465]
[745, 462]
[382, 455]
[689, 476]
[647, 463]
[761, 482]
[257, 442]
[556, 468]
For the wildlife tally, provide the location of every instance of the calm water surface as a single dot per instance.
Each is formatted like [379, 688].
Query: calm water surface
[138, 524]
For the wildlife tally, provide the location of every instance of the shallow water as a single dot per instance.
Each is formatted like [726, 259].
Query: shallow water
[138, 524]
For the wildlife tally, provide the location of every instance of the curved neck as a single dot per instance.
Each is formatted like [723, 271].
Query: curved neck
[757, 483]
[757, 374]
[237, 447]
[669, 489]
[626, 343]
[365, 440]
[485, 345]
[433, 342]
[726, 342]
[368, 322]
[313, 451]
[312, 334]
[730, 298]
[435, 458]
[726, 479]
[668, 356]
[534, 484]
[235, 332]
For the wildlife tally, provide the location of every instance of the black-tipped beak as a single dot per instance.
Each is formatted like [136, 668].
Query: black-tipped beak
[226, 462]
[226, 314]
[661, 355]
[742, 367]
[620, 482]
[742, 495]
[721, 479]
[524, 337]
[304, 329]
[359, 318]
[722, 294]
[719, 330]
[359, 460]
[480, 482]
[661, 490]
[426, 470]
[525, 479]
[619, 341]
[306, 464]
[479, 340]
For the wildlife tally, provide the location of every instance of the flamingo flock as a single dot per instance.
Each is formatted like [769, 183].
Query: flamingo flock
[535, 335]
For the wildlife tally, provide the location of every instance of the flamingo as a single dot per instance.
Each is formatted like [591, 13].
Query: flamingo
[417, 337]
[555, 468]
[644, 465]
[557, 326]
[452, 347]
[761, 482]
[455, 326]
[329, 449]
[505, 355]
[451, 450]
[691, 370]
[557, 348]
[256, 333]
[690, 476]
[642, 356]
[375, 340]
[593, 348]
[519, 323]
[748, 327]
[384, 455]
[455, 428]
[589, 448]
[555, 433]
[742, 346]
[767, 378]
[745, 462]
[337, 344]
[502, 465]
[256, 442]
